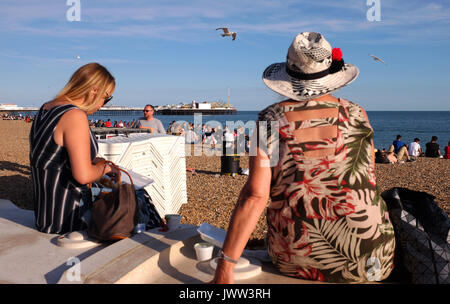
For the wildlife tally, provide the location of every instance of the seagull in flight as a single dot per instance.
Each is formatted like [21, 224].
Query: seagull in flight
[376, 58]
[226, 32]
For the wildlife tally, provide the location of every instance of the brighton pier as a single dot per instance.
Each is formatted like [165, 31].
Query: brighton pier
[119, 111]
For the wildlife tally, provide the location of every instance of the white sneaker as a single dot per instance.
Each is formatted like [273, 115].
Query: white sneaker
[401, 162]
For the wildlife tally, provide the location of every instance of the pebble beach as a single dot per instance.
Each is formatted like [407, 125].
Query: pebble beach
[211, 196]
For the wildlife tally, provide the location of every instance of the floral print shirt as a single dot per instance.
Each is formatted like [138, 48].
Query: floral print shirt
[326, 219]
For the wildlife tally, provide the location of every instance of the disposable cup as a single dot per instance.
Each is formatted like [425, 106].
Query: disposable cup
[173, 220]
[203, 251]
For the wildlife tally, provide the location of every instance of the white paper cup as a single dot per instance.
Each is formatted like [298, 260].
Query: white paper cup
[173, 220]
[203, 251]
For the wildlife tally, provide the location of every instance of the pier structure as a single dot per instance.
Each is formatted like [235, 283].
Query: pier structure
[121, 111]
[189, 111]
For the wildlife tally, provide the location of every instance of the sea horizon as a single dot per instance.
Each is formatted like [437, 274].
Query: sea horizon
[386, 124]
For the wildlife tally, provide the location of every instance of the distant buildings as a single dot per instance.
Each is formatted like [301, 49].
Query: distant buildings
[205, 105]
[10, 107]
[207, 108]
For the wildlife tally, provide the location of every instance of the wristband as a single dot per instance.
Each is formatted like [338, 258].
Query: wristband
[226, 258]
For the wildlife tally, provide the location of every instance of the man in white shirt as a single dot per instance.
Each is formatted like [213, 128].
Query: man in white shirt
[414, 149]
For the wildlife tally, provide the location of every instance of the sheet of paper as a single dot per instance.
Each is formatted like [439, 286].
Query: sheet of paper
[139, 181]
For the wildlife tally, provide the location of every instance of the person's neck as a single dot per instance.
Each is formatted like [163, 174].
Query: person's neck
[327, 97]
[149, 118]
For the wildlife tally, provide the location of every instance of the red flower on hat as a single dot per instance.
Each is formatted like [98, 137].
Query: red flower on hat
[336, 54]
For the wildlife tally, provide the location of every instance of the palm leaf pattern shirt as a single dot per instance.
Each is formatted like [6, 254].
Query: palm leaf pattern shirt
[326, 219]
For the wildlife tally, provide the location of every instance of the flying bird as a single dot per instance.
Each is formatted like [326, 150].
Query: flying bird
[376, 58]
[226, 32]
[78, 57]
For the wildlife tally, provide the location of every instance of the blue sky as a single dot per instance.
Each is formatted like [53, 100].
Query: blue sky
[167, 52]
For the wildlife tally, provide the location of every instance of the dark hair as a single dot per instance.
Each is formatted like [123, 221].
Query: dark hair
[416, 139]
[399, 136]
[149, 105]
[434, 138]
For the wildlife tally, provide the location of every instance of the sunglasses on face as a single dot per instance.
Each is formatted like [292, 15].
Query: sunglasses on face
[145, 111]
[107, 99]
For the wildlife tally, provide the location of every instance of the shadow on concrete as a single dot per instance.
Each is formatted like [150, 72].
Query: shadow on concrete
[56, 274]
[164, 263]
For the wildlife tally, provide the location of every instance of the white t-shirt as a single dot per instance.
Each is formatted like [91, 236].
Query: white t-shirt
[413, 149]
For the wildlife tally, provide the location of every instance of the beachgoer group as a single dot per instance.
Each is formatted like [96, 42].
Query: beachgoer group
[399, 151]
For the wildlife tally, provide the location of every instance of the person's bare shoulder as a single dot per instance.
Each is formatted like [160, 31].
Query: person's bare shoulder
[75, 114]
[74, 118]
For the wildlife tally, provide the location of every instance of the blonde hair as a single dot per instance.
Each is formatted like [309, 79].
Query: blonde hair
[83, 80]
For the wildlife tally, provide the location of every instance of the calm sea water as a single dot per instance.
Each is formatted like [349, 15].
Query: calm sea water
[386, 124]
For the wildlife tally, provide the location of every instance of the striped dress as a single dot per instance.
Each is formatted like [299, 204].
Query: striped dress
[326, 219]
[59, 200]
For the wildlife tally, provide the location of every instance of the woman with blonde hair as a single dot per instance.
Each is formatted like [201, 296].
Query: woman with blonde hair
[326, 219]
[63, 151]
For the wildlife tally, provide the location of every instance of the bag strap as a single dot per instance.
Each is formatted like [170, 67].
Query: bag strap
[107, 162]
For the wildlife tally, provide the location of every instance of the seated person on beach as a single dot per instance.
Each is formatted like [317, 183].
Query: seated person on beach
[384, 157]
[63, 151]
[447, 151]
[400, 149]
[326, 219]
[150, 122]
[414, 149]
[432, 148]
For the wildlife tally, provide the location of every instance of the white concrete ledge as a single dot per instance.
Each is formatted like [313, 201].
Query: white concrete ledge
[29, 256]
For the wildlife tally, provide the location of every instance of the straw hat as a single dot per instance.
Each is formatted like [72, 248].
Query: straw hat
[312, 69]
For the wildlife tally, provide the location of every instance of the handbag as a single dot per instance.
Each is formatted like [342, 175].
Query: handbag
[422, 234]
[114, 214]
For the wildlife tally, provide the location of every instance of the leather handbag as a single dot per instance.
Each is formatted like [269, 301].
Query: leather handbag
[114, 214]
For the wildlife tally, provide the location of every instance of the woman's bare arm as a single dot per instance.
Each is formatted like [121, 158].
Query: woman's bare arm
[72, 132]
[251, 204]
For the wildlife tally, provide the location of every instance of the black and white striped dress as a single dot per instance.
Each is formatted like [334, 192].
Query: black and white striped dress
[59, 200]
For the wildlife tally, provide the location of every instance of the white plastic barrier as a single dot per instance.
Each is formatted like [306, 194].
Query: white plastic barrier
[160, 157]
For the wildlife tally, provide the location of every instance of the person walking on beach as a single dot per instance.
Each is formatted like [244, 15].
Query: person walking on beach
[432, 148]
[315, 160]
[400, 149]
[414, 149]
[63, 151]
[150, 122]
